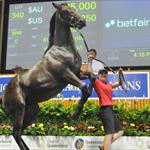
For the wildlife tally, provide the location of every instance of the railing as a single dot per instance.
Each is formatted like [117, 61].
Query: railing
[128, 104]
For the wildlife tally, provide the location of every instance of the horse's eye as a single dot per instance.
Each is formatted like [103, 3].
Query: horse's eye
[66, 12]
[72, 17]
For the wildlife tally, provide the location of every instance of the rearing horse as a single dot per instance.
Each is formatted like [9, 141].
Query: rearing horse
[59, 67]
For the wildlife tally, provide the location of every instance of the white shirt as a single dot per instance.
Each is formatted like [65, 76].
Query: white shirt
[96, 66]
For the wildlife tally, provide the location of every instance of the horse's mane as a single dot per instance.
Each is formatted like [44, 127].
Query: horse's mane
[51, 31]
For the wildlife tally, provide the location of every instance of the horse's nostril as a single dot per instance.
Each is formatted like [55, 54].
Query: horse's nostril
[82, 22]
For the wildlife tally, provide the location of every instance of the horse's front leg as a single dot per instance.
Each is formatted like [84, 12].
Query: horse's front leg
[71, 78]
[84, 96]
[86, 72]
[91, 78]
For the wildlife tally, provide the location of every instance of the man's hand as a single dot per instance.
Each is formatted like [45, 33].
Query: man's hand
[120, 70]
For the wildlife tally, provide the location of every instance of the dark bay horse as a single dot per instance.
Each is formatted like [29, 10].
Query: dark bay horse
[59, 67]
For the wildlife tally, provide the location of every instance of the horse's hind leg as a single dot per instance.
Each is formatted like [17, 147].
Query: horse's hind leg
[18, 123]
[15, 105]
[30, 114]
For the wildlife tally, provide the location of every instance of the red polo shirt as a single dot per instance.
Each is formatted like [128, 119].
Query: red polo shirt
[104, 92]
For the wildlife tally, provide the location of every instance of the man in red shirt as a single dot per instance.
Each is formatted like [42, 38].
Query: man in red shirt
[110, 121]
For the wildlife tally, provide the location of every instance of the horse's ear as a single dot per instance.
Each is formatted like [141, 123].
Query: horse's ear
[57, 6]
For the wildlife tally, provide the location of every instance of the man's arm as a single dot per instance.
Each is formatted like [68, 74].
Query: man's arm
[115, 84]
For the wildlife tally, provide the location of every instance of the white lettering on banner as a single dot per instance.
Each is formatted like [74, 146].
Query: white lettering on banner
[133, 85]
[2, 87]
[71, 88]
[137, 85]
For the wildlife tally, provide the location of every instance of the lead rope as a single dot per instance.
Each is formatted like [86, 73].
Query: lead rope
[108, 68]
[124, 84]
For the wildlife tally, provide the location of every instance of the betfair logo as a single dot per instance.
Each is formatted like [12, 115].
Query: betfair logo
[128, 23]
[110, 23]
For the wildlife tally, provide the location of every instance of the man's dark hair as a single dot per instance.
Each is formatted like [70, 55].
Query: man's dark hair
[102, 71]
[90, 50]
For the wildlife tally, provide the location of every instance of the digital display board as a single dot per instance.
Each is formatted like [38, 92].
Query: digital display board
[0, 30]
[118, 30]
[28, 30]
[0, 15]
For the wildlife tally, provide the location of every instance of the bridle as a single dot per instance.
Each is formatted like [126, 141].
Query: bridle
[121, 75]
[71, 20]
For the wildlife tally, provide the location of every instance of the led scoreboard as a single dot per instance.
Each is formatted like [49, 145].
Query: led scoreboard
[118, 30]
[28, 30]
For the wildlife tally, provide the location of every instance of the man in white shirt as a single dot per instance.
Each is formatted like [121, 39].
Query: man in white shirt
[95, 65]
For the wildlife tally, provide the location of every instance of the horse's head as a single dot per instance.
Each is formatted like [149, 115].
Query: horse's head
[69, 16]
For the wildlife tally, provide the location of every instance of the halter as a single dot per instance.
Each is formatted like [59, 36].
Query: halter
[70, 21]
